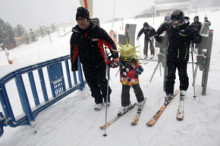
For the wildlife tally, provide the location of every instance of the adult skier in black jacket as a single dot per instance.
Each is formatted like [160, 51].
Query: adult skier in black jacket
[180, 35]
[197, 27]
[87, 42]
[149, 32]
[196, 24]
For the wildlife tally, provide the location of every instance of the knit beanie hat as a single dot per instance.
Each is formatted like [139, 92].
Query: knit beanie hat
[82, 12]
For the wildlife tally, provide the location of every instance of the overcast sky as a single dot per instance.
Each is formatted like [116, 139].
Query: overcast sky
[34, 13]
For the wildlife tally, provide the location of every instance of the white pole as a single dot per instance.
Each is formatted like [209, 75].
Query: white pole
[113, 16]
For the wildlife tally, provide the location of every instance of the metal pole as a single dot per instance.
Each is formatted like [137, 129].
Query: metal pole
[160, 69]
[154, 71]
[208, 58]
[107, 94]
[113, 16]
[192, 48]
[194, 80]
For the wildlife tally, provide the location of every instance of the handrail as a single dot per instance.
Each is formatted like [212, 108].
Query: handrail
[57, 86]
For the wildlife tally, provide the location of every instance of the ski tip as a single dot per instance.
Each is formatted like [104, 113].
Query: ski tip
[179, 119]
[149, 125]
[104, 135]
[133, 124]
[102, 127]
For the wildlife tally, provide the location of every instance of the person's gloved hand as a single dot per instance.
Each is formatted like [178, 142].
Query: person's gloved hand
[108, 62]
[115, 62]
[112, 62]
[114, 55]
[131, 73]
[197, 38]
[139, 69]
[158, 38]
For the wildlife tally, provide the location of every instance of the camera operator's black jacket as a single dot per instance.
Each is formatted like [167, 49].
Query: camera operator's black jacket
[148, 32]
[88, 46]
[179, 40]
[197, 26]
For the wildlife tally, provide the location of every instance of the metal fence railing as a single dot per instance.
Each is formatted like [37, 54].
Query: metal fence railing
[25, 92]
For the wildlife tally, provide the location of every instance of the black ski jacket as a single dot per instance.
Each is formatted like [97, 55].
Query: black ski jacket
[148, 31]
[88, 46]
[197, 26]
[179, 40]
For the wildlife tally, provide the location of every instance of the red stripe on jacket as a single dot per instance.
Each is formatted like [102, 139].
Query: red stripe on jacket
[100, 45]
[75, 53]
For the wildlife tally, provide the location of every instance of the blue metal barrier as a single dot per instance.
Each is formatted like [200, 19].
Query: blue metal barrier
[57, 86]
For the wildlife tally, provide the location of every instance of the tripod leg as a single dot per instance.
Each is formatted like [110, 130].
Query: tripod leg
[154, 71]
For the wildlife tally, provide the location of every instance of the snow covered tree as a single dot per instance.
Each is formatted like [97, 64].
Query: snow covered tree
[26, 38]
[42, 31]
[10, 36]
[32, 35]
[2, 34]
[7, 35]
[53, 27]
[19, 30]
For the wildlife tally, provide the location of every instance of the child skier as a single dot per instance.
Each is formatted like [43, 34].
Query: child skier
[129, 71]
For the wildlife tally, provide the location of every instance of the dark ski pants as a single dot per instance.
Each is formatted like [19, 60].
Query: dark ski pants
[146, 41]
[125, 95]
[171, 76]
[98, 84]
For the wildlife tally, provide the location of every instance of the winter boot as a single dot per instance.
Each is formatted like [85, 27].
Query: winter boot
[182, 94]
[140, 105]
[98, 106]
[107, 104]
[152, 56]
[124, 109]
[168, 97]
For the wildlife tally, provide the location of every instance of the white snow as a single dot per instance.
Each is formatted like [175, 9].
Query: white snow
[73, 122]
[4, 59]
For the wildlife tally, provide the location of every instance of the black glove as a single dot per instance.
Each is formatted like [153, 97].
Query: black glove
[158, 38]
[197, 38]
[114, 55]
[187, 31]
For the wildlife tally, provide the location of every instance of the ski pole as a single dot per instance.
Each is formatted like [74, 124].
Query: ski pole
[154, 71]
[117, 72]
[192, 48]
[107, 93]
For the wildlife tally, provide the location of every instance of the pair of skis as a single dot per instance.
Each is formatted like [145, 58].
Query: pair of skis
[179, 115]
[134, 122]
[154, 119]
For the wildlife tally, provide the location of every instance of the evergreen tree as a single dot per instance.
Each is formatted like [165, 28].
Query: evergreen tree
[10, 36]
[42, 31]
[7, 35]
[2, 33]
[32, 35]
[19, 30]
[26, 38]
[53, 27]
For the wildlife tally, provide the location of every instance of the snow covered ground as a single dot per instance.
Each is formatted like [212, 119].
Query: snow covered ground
[73, 122]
